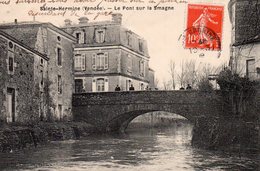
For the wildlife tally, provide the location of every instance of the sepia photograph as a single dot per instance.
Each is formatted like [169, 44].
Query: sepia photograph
[130, 85]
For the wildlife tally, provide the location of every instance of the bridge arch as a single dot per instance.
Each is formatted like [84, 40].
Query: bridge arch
[113, 111]
[121, 122]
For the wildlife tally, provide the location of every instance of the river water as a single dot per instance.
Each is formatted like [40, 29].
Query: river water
[139, 149]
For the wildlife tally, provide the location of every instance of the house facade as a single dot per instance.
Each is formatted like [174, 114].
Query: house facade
[23, 73]
[245, 47]
[57, 45]
[107, 55]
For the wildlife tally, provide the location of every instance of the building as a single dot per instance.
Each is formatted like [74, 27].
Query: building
[23, 73]
[107, 55]
[245, 47]
[57, 45]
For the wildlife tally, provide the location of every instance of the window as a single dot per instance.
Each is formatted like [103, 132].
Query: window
[78, 35]
[100, 84]
[250, 68]
[59, 84]
[78, 85]
[100, 35]
[41, 61]
[128, 35]
[80, 62]
[41, 82]
[11, 45]
[100, 61]
[59, 56]
[141, 68]
[11, 64]
[141, 48]
[129, 63]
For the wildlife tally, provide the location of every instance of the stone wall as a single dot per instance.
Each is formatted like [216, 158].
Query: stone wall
[25, 81]
[46, 38]
[65, 70]
[245, 19]
[18, 137]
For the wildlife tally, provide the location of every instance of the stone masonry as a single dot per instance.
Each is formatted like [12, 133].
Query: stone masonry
[113, 111]
[23, 72]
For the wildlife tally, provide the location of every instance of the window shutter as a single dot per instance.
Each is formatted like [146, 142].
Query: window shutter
[106, 60]
[83, 62]
[94, 61]
[94, 85]
[106, 85]
[75, 62]
[82, 36]
[140, 64]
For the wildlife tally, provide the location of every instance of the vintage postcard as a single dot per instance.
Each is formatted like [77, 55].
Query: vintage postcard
[111, 85]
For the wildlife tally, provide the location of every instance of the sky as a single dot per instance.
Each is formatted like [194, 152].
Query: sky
[163, 30]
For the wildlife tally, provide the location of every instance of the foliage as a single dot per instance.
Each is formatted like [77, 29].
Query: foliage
[234, 83]
[205, 85]
[236, 91]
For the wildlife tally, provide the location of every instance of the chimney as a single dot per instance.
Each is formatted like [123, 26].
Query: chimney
[83, 20]
[15, 21]
[117, 18]
[67, 22]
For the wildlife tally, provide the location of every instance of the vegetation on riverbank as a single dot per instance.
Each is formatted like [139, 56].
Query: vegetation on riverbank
[237, 128]
[19, 136]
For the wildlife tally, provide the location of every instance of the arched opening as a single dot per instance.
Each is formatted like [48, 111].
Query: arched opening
[158, 119]
[165, 128]
[121, 123]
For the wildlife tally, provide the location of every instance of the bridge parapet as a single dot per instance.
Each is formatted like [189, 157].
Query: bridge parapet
[143, 97]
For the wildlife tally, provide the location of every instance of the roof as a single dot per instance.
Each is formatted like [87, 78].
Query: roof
[23, 45]
[118, 38]
[101, 23]
[254, 39]
[89, 24]
[35, 24]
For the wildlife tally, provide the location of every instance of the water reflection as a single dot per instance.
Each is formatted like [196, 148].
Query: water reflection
[138, 149]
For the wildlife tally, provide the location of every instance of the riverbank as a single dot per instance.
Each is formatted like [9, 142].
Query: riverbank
[17, 136]
[226, 134]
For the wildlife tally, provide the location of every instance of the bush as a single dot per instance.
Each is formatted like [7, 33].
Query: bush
[205, 85]
[229, 82]
[237, 92]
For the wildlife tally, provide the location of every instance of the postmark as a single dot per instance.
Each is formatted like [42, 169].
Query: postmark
[204, 27]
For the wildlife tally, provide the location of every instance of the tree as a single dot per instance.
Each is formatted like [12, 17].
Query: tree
[166, 85]
[190, 71]
[172, 73]
[156, 83]
[180, 76]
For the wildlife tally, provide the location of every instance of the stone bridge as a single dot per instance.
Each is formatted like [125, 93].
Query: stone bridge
[113, 111]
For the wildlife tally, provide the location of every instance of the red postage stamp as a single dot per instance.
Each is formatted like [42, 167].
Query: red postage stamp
[204, 27]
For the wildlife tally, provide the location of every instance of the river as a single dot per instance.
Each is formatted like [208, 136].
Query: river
[165, 149]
